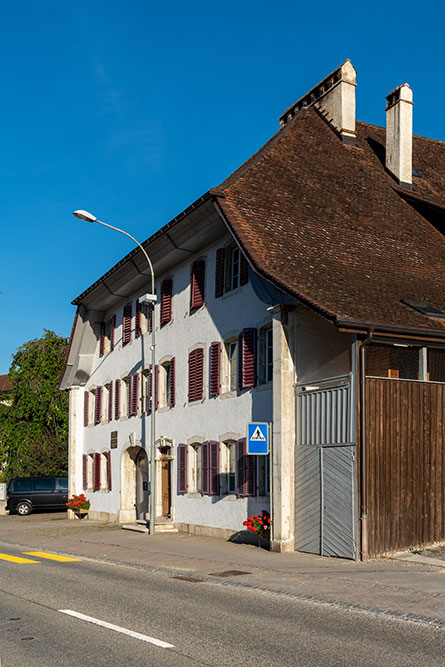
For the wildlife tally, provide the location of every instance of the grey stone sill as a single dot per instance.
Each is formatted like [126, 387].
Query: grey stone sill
[229, 394]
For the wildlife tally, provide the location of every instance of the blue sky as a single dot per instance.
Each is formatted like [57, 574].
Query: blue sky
[133, 110]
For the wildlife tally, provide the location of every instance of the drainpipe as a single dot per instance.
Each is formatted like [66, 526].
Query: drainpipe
[363, 453]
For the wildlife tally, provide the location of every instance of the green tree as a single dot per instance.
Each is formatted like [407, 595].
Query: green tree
[34, 427]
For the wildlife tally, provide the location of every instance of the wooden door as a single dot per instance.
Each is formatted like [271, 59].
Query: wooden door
[166, 490]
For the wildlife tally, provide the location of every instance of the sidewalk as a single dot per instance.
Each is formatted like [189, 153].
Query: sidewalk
[412, 589]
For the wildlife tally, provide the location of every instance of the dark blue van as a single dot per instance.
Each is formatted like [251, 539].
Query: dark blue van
[28, 493]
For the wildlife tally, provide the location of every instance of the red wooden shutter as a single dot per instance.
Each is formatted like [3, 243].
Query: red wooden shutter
[150, 389]
[150, 318]
[251, 474]
[198, 283]
[172, 397]
[196, 374]
[241, 465]
[244, 271]
[240, 361]
[134, 388]
[117, 399]
[84, 472]
[156, 387]
[137, 323]
[182, 468]
[102, 340]
[215, 366]
[126, 325]
[113, 327]
[248, 354]
[214, 467]
[98, 406]
[166, 301]
[205, 467]
[110, 401]
[109, 476]
[86, 411]
[219, 271]
[96, 472]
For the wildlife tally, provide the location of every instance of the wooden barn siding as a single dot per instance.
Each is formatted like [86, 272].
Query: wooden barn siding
[406, 476]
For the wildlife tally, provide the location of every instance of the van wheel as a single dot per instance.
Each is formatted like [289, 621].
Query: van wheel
[23, 508]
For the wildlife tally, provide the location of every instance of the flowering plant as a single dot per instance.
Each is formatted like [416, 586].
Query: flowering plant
[259, 524]
[76, 503]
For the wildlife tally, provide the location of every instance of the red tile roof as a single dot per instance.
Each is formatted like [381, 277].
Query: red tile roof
[325, 221]
[5, 385]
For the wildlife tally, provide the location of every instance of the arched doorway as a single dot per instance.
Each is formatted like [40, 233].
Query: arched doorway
[134, 484]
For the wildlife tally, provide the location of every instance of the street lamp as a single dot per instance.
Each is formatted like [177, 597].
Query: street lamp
[151, 299]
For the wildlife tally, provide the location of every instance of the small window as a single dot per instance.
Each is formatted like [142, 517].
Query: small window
[196, 468]
[165, 384]
[266, 355]
[231, 467]
[425, 308]
[44, 484]
[62, 483]
[232, 357]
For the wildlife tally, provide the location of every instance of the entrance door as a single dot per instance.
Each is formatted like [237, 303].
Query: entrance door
[325, 471]
[166, 487]
[141, 485]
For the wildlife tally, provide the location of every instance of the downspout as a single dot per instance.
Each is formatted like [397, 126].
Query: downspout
[363, 453]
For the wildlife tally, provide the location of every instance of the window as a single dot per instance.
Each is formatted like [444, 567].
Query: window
[44, 485]
[23, 485]
[106, 342]
[231, 270]
[197, 284]
[232, 353]
[98, 406]
[126, 402]
[126, 324]
[90, 471]
[166, 301]
[392, 362]
[196, 468]
[182, 468]
[266, 355]
[109, 396]
[228, 467]
[105, 471]
[196, 375]
[167, 384]
[436, 365]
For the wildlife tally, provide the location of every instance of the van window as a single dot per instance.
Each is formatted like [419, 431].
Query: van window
[44, 484]
[63, 484]
[23, 484]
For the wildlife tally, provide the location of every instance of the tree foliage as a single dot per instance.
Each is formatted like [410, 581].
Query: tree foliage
[34, 427]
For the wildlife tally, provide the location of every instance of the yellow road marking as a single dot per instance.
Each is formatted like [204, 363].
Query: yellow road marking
[16, 559]
[42, 554]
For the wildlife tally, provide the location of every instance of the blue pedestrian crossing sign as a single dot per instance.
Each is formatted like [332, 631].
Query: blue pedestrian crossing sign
[258, 438]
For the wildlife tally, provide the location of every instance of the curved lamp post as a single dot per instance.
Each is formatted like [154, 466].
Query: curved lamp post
[147, 298]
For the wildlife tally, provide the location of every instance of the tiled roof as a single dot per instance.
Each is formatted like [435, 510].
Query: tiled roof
[5, 384]
[326, 222]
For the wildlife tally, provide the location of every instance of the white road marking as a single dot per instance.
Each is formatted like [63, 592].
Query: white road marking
[117, 628]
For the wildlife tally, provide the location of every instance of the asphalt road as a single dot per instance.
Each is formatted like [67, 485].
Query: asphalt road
[206, 623]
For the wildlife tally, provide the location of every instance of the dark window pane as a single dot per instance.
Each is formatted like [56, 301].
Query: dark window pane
[44, 484]
[436, 365]
[394, 362]
[23, 485]
[63, 484]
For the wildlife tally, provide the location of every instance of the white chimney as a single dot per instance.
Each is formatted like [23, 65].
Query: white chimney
[335, 98]
[399, 135]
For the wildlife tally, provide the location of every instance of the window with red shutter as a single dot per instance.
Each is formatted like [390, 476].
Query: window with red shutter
[126, 325]
[98, 406]
[109, 475]
[96, 471]
[246, 464]
[196, 375]
[182, 468]
[219, 272]
[86, 408]
[110, 401]
[102, 340]
[137, 322]
[198, 284]
[172, 393]
[214, 467]
[134, 390]
[156, 387]
[166, 301]
[205, 467]
[247, 359]
[117, 399]
[84, 471]
[150, 318]
[215, 369]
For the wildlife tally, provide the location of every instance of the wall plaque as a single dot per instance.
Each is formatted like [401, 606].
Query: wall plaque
[113, 440]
